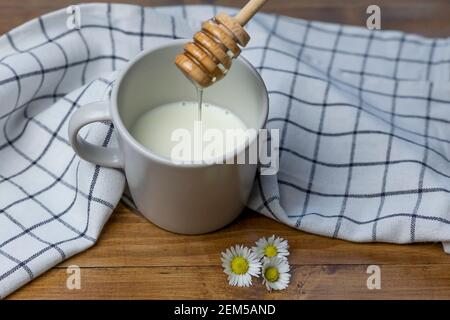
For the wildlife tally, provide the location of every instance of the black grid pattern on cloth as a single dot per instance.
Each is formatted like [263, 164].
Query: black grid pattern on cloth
[290, 193]
[38, 219]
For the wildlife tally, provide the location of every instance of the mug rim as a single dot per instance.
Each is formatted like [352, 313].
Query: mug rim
[120, 126]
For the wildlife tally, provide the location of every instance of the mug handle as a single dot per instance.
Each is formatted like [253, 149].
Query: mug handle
[93, 112]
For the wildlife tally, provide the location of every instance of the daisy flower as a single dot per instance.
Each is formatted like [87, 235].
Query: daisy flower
[275, 272]
[240, 264]
[271, 247]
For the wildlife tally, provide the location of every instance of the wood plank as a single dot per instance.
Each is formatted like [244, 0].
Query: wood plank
[128, 239]
[423, 17]
[295, 4]
[308, 282]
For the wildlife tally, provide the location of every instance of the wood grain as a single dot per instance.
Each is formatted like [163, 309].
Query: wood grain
[135, 259]
[308, 282]
[424, 17]
[128, 239]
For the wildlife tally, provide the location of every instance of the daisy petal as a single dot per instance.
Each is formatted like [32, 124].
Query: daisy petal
[240, 264]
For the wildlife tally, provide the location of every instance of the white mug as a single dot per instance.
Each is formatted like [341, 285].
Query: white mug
[182, 198]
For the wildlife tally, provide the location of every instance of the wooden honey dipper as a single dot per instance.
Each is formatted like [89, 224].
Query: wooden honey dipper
[208, 58]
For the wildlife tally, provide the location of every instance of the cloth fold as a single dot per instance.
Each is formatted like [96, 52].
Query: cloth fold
[363, 118]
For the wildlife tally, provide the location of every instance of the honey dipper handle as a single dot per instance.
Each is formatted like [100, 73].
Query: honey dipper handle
[247, 12]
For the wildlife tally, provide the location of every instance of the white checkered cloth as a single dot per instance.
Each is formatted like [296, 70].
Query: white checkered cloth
[364, 119]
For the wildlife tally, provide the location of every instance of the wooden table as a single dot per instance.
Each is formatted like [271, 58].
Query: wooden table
[135, 259]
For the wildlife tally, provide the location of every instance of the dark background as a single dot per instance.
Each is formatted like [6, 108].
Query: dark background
[428, 17]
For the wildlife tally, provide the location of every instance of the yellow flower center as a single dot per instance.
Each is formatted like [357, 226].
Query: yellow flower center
[239, 265]
[272, 274]
[270, 251]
